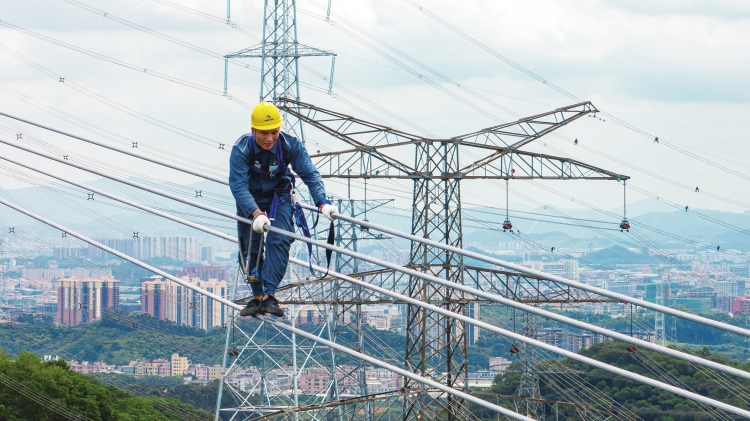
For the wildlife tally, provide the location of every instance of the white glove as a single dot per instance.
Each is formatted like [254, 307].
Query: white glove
[328, 211]
[260, 221]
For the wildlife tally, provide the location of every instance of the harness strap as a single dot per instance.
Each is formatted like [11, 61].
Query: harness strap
[329, 252]
[280, 196]
[301, 221]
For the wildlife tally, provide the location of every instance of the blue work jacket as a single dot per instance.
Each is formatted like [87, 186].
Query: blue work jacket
[247, 186]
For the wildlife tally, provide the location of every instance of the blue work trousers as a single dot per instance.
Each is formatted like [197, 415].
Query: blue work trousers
[274, 263]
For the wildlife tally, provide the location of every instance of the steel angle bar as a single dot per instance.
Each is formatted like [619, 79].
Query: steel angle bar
[121, 150]
[278, 324]
[340, 402]
[502, 300]
[521, 338]
[556, 350]
[537, 273]
[489, 296]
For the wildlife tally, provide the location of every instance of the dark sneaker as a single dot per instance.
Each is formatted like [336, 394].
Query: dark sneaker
[271, 306]
[251, 308]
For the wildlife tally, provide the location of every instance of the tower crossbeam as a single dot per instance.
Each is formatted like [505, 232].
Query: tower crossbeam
[436, 346]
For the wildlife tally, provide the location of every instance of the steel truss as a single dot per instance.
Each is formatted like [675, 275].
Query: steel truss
[371, 148]
[280, 51]
[435, 345]
[406, 373]
[410, 272]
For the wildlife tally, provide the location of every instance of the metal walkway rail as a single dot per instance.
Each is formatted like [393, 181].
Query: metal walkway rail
[537, 273]
[280, 325]
[390, 367]
[543, 275]
[473, 291]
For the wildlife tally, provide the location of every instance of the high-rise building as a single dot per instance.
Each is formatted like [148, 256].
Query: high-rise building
[741, 305]
[570, 269]
[472, 332]
[154, 297]
[177, 247]
[169, 300]
[626, 287]
[180, 247]
[90, 273]
[82, 300]
[54, 273]
[729, 288]
[207, 254]
[147, 247]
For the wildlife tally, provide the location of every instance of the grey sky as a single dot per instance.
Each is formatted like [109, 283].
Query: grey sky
[674, 69]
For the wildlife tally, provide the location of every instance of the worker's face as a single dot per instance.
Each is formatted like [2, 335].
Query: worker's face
[266, 139]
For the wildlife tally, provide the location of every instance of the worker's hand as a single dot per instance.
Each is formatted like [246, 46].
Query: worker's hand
[260, 221]
[328, 210]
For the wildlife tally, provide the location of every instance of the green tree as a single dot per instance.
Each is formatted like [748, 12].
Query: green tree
[82, 394]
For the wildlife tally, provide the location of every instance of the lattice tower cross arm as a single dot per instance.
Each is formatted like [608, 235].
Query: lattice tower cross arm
[373, 150]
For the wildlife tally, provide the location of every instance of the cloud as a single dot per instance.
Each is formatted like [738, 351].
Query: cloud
[624, 58]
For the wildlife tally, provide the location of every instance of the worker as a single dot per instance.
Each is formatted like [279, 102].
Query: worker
[261, 183]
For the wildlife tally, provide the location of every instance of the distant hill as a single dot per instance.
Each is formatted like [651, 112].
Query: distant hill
[51, 391]
[635, 400]
[554, 227]
[611, 256]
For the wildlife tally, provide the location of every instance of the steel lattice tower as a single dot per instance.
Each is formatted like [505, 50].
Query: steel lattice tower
[349, 313]
[279, 52]
[660, 335]
[436, 346]
[529, 387]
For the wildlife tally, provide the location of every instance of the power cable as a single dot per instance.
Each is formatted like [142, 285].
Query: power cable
[114, 104]
[112, 251]
[492, 51]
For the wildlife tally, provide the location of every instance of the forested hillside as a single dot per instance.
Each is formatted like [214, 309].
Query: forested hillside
[31, 389]
[647, 402]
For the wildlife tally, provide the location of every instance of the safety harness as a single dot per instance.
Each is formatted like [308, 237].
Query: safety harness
[280, 196]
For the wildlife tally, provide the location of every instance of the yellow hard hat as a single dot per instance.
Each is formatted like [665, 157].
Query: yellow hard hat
[265, 116]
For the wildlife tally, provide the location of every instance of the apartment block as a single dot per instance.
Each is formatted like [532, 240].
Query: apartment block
[169, 300]
[205, 373]
[177, 247]
[159, 367]
[153, 297]
[741, 305]
[83, 300]
[179, 365]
